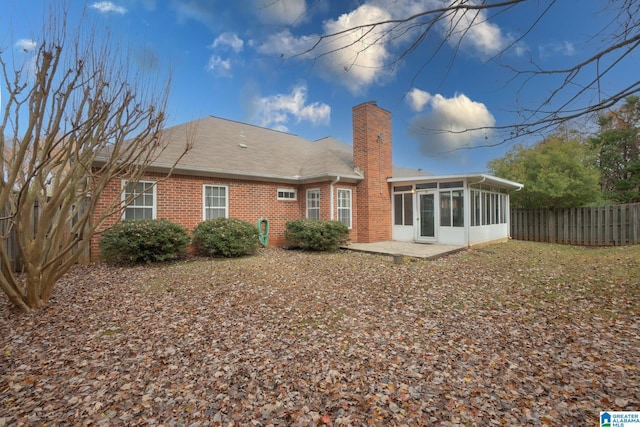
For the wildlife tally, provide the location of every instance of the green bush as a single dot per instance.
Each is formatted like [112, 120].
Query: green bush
[316, 235]
[228, 237]
[143, 241]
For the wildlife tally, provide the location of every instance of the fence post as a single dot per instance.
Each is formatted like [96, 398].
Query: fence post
[634, 222]
[623, 224]
[579, 228]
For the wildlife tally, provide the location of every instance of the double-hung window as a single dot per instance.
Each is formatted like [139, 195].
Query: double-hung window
[313, 203]
[344, 206]
[215, 201]
[141, 199]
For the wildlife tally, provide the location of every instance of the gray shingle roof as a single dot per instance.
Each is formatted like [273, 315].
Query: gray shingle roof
[222, 147]
[227, 147]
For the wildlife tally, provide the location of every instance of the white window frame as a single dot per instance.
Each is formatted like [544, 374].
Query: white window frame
[345, 208]
[285, 191]
[204, 200]
[476, 208]
[447, 195]
[404, 212]
[154, 194]
[313, 204]
[492, 207]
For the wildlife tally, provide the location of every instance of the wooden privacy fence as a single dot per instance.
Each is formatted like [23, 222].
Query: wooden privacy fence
[11, 244]
[595, 226]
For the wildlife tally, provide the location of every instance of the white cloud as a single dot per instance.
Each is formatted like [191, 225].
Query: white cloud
[472, 30]
[568, 49]
[108, 7]
[26, 44]
[418, 98]
[275, 111]
[564, 48]
[281, 12]
[228, 40]
[222, 67]
[356, 58]
[451, 124]
[360, 58]
[521, 49]
[219, 66]
[285, 44]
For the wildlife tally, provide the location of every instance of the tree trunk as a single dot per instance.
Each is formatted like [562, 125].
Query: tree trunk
[18, 302]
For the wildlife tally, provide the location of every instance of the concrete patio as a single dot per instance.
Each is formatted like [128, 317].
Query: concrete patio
[409, 249]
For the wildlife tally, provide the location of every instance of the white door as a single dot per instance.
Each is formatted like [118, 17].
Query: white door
[426, 219]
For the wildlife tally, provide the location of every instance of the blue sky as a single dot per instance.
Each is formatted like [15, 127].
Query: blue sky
[245, 60]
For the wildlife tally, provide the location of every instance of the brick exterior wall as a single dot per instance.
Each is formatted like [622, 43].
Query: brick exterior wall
[372, 155]
[180, 200]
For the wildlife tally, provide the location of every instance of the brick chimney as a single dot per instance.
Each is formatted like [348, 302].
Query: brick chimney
[372, 156]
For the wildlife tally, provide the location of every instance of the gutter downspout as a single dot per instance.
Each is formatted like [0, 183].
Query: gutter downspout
[335, 181]
[509, 210]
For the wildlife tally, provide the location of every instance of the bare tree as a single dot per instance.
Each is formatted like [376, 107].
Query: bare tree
[577, 95]
[73, 100]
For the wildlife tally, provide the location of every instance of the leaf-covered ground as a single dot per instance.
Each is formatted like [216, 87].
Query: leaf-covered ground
[511, 334]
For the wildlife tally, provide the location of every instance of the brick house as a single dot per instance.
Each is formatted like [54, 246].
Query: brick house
[243, 171]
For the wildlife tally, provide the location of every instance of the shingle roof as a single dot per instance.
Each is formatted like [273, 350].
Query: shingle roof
[229, 148]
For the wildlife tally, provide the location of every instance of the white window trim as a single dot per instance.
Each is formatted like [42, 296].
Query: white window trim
[350, 205]
[316, 191]
[449, 193]
[497, 203]
[204, 198]
[123, 196]
[287, 190]
[404, 213]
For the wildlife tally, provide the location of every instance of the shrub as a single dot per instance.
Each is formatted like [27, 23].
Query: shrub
[317, 235]
[228, 237]
[144, 241]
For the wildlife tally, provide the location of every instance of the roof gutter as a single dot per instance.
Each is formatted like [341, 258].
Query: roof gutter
[335, 181]
[484, 178]
[235, 174]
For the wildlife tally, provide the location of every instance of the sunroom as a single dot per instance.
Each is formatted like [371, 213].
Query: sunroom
[466, 210]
